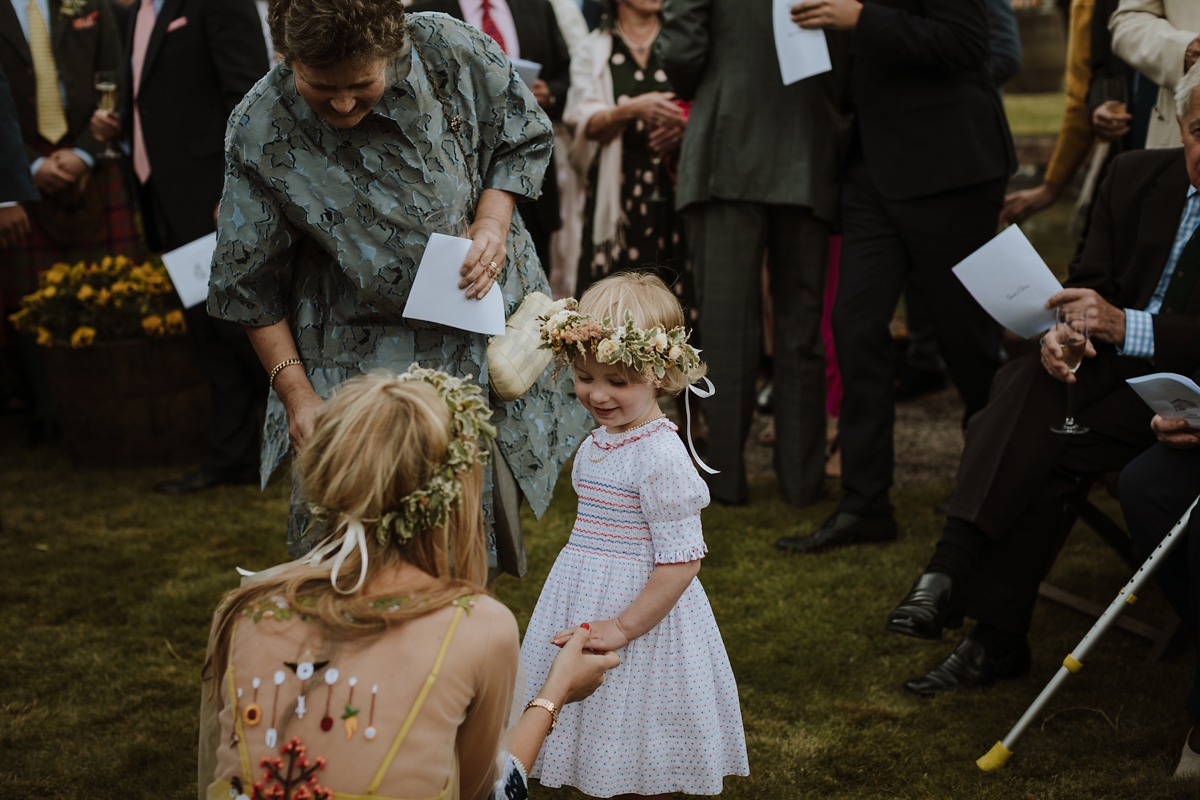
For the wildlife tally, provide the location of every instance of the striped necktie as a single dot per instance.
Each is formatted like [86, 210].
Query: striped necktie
[488, 25]
[51, 121]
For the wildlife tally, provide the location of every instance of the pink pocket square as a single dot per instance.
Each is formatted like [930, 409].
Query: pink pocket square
[176, 24]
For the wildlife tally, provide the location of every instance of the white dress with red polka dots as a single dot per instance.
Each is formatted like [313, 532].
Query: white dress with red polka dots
[667, 719]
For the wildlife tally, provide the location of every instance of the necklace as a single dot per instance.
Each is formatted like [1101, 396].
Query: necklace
[640, 49]
[605, 447]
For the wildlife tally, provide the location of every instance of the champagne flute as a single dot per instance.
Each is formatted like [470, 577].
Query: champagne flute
[106, 100]
[1072, 335]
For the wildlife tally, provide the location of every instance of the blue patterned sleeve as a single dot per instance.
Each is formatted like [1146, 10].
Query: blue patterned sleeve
[513, 785]
[1139, 335]
[252, 266]
[519, 135]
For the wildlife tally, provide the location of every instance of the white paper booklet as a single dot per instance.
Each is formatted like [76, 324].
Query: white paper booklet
[189, 267]
[435, 296]
[802, 52]
[528, 70]
[1171, 396]
[1011, 281]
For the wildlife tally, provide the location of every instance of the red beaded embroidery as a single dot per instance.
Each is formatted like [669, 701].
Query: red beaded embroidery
[292, 777]
[623, 442]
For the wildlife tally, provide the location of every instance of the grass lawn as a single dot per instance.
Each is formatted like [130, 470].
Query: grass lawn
[1035, 114]
[108, 589]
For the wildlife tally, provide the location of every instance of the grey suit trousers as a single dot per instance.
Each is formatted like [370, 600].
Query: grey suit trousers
[727, 241]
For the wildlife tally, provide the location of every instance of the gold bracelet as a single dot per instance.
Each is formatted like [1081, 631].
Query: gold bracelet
[281, 365]
[542, 702]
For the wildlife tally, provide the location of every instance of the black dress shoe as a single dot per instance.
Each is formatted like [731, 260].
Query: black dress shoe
[200, 480]
[926, 609]
[969, 667]
[918, 383]
[839, 530]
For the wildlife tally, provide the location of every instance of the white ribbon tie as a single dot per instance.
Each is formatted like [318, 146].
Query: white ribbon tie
[687, 408]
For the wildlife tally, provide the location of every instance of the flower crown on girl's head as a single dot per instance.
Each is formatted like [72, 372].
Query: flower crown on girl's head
[651, 352]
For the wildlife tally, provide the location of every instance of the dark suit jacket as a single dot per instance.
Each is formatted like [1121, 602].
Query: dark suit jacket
[192, 78]
[929, 119]
[749, 137]
[541, 41]
[84, 44]
[1134, 220]
[15, 182]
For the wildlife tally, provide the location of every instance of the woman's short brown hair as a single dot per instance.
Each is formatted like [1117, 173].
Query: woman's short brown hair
[325, 33]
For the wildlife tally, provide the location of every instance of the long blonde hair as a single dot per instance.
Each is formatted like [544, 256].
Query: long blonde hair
[377, 440]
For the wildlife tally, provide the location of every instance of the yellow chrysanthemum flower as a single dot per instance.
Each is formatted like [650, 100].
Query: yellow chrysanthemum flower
[103, 297]
[83, 337]
[45, 338]
[153, 325]
[85, 293]
[49, 291]
[175, 323]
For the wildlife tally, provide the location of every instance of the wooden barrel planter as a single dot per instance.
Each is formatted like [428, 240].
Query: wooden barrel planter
[130, 403]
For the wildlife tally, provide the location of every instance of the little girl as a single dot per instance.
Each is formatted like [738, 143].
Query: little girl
[667, 719]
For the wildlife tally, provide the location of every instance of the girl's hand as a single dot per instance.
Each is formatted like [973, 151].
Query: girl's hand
[578, 670]
[606, 635]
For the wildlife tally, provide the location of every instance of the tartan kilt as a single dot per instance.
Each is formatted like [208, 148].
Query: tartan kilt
[117, 235]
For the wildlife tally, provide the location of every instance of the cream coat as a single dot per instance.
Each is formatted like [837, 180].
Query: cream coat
[1152, 36]
[591, 93]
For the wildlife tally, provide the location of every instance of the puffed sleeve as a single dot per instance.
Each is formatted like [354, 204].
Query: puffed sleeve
[672, 495]
[252, 265]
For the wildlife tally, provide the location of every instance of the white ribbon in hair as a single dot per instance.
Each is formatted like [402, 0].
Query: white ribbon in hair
[354, 536]
[687, 407]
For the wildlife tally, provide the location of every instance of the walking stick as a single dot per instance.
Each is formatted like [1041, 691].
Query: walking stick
[1000, 752]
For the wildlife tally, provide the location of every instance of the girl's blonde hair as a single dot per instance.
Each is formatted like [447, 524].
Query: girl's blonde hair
[652, 304]
[377, 440]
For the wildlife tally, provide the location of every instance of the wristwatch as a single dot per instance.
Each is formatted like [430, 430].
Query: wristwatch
[542, 702]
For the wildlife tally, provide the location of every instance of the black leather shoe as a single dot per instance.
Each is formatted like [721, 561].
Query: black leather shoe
[200, 480]
[969, 667]
[918, 383]
[926, 609]
[840, 530]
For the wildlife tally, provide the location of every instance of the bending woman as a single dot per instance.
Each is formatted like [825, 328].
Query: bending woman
[377, 129]
[387, 670]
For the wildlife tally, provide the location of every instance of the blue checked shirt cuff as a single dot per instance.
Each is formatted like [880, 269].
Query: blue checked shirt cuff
[1139, 335]
[83, 154]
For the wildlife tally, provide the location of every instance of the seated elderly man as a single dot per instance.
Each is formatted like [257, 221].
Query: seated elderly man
[1136, 278]
[1156, 488]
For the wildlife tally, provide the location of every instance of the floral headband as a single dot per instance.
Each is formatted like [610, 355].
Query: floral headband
[471, 434]
[651, 352]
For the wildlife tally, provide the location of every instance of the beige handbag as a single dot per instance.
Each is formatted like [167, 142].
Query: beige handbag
[515, 359]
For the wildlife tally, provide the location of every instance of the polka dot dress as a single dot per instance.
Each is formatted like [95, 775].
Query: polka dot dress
[667, 719]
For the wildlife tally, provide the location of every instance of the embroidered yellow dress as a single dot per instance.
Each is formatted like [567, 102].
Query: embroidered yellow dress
[415, 714]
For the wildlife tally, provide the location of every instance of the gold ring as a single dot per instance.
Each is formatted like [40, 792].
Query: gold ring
[493, 268]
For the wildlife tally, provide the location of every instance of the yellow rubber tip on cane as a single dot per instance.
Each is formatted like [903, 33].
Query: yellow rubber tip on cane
[995, 757]
[1072, 664]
